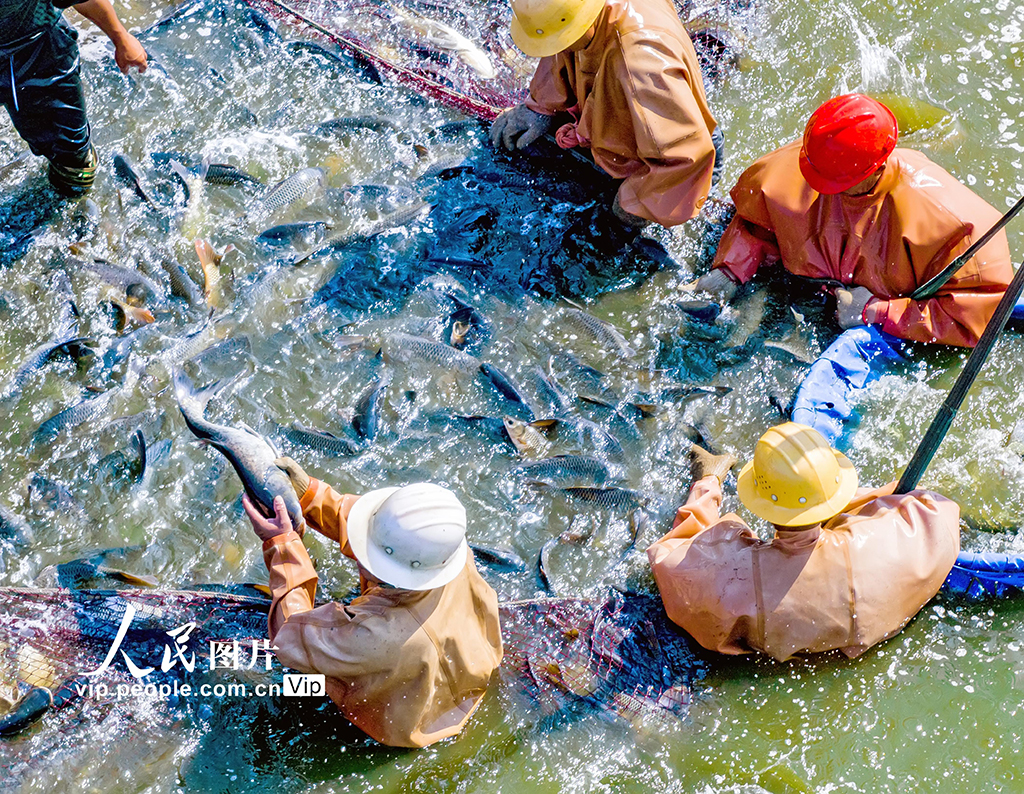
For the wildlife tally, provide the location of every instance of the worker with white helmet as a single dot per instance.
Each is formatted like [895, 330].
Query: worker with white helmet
[409, 660]
[847, 567]
[619, 78]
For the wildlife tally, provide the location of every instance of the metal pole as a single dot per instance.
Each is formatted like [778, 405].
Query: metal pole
[944, 418]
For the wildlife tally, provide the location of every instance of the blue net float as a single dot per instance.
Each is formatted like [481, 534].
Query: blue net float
[825, 402]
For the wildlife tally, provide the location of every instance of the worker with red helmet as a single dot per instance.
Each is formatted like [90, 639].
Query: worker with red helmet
[619, 79]
[844, 204]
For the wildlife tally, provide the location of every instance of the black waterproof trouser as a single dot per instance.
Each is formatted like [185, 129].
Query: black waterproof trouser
[41, 87]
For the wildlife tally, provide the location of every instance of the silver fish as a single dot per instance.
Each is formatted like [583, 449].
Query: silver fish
[295, 234]
[600, 331]
[527, 437]
[46, 495]
[289, 190]
[320, 441]
[182, 285]
[401, 217]
[436, 34]
[77, 574]
[118, 276]
[187, 347]
[609, 498]
[127, 464]
[63, 343]
[229, 176]
[404, 347]
[366, 417]
[505, 387]
[126, 173]
[345, 124]
[566, 471]
[555, 400]
[86, 409]
[251, 455]
[503, 559]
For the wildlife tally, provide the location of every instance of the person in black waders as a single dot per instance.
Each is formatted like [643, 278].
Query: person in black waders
[41, 85]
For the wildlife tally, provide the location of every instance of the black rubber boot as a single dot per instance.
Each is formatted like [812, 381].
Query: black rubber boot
[72, 181]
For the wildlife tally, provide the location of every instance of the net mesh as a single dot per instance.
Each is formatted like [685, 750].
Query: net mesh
[471, 63]
[52, 637]
[622, 656]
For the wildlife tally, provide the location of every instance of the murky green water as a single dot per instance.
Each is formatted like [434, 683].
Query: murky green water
[936, 709]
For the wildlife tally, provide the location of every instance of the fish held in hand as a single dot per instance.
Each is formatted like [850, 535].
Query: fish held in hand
[251, 455]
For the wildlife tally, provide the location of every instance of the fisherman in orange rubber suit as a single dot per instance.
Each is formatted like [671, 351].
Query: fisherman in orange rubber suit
[626, 73]
[409, 660]
[847, 567]
[847, 206]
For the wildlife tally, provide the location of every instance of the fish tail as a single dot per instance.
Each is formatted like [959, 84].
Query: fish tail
[189, 398]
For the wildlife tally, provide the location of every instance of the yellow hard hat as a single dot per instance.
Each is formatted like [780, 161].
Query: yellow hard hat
[796, 478]
[544, 27]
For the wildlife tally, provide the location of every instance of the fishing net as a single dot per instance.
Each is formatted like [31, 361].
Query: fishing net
[462, 54]
[621, 657]
[53, 637]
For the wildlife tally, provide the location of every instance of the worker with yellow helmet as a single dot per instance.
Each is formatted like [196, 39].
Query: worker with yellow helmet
[624, 78]
[847, 568]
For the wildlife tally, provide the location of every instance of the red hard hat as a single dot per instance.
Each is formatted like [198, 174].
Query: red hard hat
[846, 140]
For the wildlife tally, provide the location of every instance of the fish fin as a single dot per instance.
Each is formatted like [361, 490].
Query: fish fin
[544, 424]
[647, 409]
[595, 401]
[128, 578]
[178, 169]
[204, 168]
[185, 391]
[182, 174]
[139, 442]
[79, 348]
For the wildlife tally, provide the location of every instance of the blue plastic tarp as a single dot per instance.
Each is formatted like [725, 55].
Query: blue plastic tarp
[825, 400]
[850, 363]
[977, 574]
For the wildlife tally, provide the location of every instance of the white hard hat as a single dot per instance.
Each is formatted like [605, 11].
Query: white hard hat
[412, 537]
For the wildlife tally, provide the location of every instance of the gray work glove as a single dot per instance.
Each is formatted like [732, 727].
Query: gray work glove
[704, 463]
[299, 478]
[517, 127]
[717, 284]
[626, 217]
